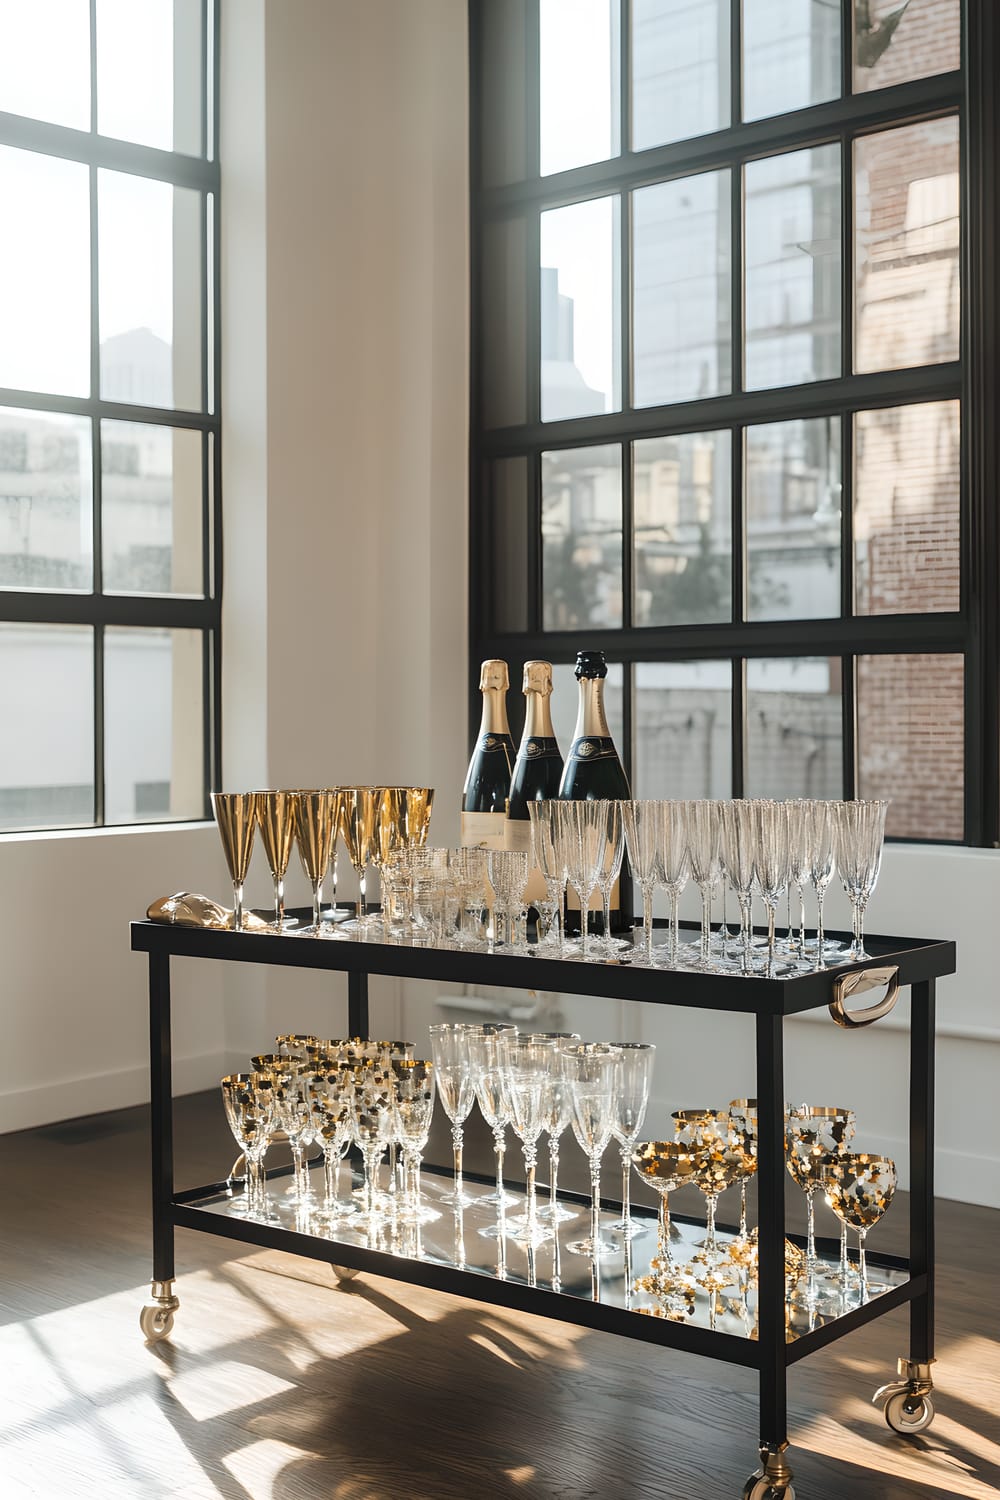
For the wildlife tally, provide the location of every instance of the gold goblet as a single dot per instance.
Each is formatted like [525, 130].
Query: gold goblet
[665, 1166]
[314, 833]
[859, 1188]
[276, 821]
[236, 818]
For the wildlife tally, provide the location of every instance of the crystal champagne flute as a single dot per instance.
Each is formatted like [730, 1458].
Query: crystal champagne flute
[628, 1113]
[449, 1048]
[236, 819]
[675, 867]
[546, 855]
[705, 854]
[530, 1063]
[860, 832]
[276, 821]
[772, 863]
[489, 1059]
[591, 1070]
[822, 836]
[643, 825]
[556, 1120]
[739, 847]
[611, 849]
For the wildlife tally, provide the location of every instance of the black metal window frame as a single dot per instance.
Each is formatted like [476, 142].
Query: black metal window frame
[95, 608]
[973, 630]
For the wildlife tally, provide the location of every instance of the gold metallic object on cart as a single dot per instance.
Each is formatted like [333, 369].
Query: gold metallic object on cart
[906, 1402]
[189, 909]
[859, 983]
[157, 1317]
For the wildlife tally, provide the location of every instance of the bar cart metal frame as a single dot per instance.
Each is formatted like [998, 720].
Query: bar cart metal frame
[897, 963]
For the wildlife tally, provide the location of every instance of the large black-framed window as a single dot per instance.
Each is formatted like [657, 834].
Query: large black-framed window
[734, 341]
[110, 460]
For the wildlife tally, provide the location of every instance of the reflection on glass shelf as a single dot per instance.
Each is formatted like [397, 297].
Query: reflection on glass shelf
[724, 1300]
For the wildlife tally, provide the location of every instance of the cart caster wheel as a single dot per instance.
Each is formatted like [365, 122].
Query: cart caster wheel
[157, 1317]
[759, 1488]
[344, 1273]
[909, 1414]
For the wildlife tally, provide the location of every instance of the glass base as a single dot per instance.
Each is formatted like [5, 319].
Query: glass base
[629, 1228]
[605, 1246]
[560, 1214]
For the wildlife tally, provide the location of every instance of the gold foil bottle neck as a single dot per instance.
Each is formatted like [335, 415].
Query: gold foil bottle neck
[493, 674]
[537, 678]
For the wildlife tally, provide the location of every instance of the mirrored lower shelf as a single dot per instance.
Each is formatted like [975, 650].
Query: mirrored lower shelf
[628, 1276]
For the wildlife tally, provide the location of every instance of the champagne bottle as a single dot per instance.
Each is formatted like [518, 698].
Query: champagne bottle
[594, 772]
[487, 783]
[538, 768]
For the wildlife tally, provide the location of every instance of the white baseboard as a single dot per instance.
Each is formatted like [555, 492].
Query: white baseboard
[23, 1109]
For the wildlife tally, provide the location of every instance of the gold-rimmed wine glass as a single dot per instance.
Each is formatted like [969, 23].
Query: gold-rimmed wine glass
[815, 1136]
[236, 819]
[361, 805]
[859, 1188]
[276, 821]
[314, 834]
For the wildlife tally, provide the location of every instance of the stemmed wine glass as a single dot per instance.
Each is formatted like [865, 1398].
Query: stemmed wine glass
[453, 1069]
[666, 1166]
[489, 1058]
[799, 867]
[815, 1137]
[675, 867]
[584, 855]
[772, 863]
[508, 875]
[547, 856]
[360, 807]
[236, 818]
[860, 832]
[331, 1108]
[249, 1105]
[592, 1071]
[739, 847]
[530, 1063]
[315, 831]
[643, 824]
[611, 847]
[717, 1150]
[413, 1107]
[704, 851]
[859, 1189]
[628, 1113]
[276, 821]
[743, 1115]
[821, 832]
[372, 1124]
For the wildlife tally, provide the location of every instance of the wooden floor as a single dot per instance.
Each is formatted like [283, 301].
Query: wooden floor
[279, 1386]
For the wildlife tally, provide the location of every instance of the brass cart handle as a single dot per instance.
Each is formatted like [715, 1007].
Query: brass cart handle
[847, 985]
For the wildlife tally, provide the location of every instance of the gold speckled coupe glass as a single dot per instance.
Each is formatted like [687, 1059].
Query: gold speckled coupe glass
[236, 819]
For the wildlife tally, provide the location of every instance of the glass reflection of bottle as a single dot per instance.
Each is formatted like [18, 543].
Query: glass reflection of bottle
[487, 783]
[594, 770]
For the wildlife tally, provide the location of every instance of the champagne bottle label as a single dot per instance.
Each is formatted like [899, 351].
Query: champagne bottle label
[593, 749]
[483, 830]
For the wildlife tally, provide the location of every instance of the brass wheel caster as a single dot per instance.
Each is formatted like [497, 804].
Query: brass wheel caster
[773, 1480]
[157, 1316]
[344, 1273]
[906, 1403]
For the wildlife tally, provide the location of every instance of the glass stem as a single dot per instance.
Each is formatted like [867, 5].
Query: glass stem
[811, 1231]
[706, 923]
[863, 1264]
[237, 906]
[606, 895]
[626, 1190]
[710, 1242]
[772, 913]
[746, 933]
[499, 1147]
[553, 1172]
[363, 893]
[802, 923]
[585, 923]
[299, 1174]
[820, 935]
[845, 1264]
[790, 928]
[862, 902]
[330, 1165]
[333, 880]
[743, 1209]
[675, 897]
[318, 904]
[595, 1207]
[457, 1137]
[530, 1159]
[647, 921]
[664, 1236]
[279, 901]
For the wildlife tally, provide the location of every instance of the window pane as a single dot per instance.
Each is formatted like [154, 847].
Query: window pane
[581, 276]
[502, 75]
[47, 726]
[907, 246]
[683, 529]
[793, 519]
[45, 61]
[794, 746]
[150, 292]
[682, 315]
[680, 70]
[791, 55]
[508, 556]
[793, 268]
[893, 42]
[579, 52]
[566, 698]
[152, 509]
[907, 557]
[45, 501]
[150, 71]
[44, 274]
[911, 745]
[153, 725]
[683, 735]
[582, 538]
[505, 335]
